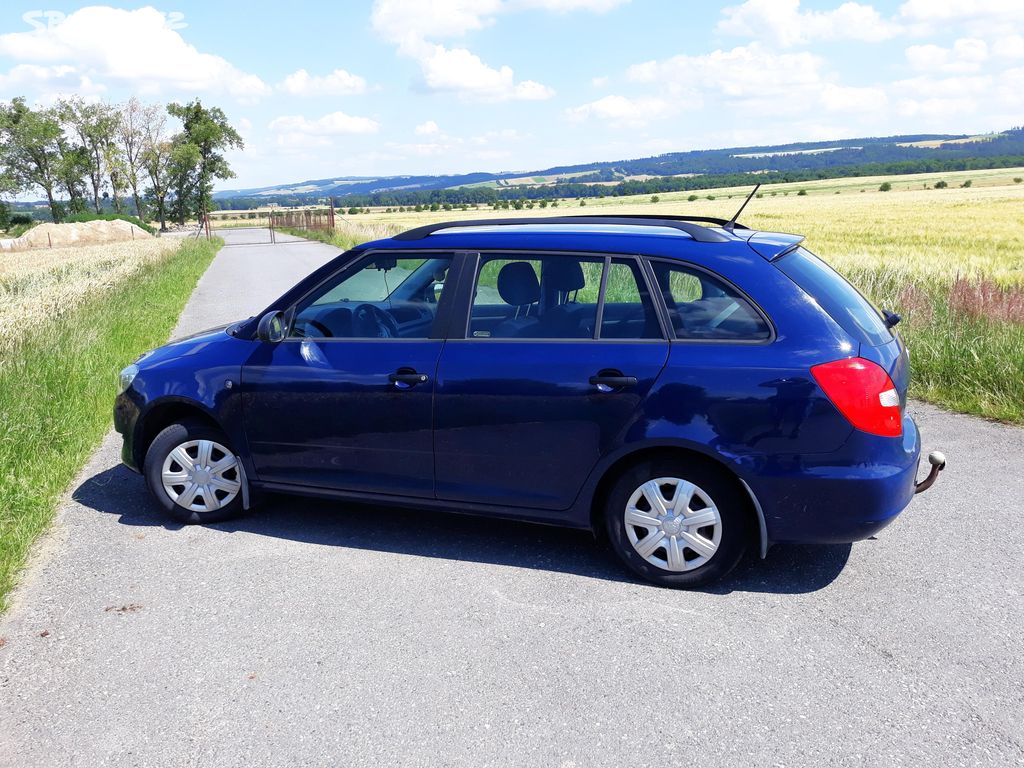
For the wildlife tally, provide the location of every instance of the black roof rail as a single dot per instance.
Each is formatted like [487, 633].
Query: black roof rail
[683, 223]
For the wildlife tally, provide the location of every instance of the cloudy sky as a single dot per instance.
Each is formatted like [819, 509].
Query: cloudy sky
[440, 86]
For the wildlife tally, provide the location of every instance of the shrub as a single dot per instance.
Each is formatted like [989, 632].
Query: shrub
[711, 197]
[802, 193]
[966, 184]
[941, 185]
[583, 202]
[691, 198]
[20, 219]
[886, 186]
[78, 218]
[655, 199]
[1017, 179]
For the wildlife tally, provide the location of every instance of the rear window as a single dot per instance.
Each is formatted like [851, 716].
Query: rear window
[855, 314]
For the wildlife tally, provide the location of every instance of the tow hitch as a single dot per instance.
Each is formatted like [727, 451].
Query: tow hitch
[938, 462]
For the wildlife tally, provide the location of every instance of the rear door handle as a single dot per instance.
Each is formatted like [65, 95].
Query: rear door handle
[609, 383]
[403, 378]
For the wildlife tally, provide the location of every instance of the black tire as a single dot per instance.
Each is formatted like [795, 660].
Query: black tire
[161, 447]
[733, 507]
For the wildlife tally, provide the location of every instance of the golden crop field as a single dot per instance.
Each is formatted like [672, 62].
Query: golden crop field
[950, 260]
[38, 286]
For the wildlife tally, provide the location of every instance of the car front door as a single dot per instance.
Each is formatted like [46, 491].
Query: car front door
[345, 401]
[557, 356]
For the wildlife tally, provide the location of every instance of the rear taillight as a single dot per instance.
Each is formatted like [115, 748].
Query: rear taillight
[863, 393]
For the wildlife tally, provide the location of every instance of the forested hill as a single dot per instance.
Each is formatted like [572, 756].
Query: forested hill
[673, 171]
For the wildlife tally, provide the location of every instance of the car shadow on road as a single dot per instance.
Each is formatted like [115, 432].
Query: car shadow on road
[788, 569]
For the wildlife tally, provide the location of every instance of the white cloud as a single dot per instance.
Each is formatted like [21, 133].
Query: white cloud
[783, 23]
[414, 26]
[136, 48]
[411, 21]
[755, 80]
[35, 77]
[299, 132]
[460, 71]
[429, 128]
[1009, 47]
[840, 98]
[337, 83]
[966, 55]
[975, 17]
[621, 111]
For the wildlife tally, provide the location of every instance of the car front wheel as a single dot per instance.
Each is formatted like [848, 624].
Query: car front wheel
[194, 474]
[677, 525]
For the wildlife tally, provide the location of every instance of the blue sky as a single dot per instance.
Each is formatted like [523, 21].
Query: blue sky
[388, 87]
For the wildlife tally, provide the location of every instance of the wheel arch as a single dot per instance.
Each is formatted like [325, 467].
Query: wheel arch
[627, 461]
[161, 415]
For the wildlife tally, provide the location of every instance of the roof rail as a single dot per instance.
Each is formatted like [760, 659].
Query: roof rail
[682, 223]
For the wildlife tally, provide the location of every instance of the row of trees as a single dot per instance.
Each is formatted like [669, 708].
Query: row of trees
[502, 197]
[93, 155]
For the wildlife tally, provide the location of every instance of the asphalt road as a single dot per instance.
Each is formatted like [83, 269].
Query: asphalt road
[316, 634]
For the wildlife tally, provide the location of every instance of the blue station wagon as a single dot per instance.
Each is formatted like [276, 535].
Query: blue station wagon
[686, 388]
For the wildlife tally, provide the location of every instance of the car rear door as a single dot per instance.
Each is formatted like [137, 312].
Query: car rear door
[549, 371]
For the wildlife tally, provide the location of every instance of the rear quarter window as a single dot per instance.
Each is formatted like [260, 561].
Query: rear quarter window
[844, 303]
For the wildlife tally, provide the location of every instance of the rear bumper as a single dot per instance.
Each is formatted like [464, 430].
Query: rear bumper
[839, 497]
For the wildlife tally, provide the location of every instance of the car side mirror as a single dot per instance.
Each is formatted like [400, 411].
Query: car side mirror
[271, 327]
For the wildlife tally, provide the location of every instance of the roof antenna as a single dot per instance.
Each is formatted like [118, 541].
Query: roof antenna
[731, 224]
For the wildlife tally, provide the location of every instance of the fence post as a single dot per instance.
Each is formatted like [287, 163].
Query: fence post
[330, 217]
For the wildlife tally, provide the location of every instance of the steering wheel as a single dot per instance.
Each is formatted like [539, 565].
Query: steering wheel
[370, 321]
[319, 329]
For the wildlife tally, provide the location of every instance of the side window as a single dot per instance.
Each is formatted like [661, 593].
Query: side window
[628, 312]
[381, 296]
[536, 297]
[705, 308]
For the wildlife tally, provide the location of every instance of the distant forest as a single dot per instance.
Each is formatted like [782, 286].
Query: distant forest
[713, 168]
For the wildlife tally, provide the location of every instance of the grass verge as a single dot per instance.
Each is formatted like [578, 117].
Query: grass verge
[57, 389]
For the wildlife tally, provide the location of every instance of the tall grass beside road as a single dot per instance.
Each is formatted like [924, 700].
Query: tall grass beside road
[59, 362]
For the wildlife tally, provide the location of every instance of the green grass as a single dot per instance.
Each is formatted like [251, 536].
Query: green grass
[963, 356]
[57, 388]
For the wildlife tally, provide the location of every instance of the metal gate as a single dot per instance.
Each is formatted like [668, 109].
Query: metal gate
[240, 227]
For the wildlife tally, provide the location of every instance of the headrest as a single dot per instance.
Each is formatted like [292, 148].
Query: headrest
[564, 274]
[517, 284]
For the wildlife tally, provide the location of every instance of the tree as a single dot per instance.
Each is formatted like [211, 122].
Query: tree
[941, 185]
[155, 160]
[210, 133]
[183, 178]
[655, 199]
[886, 186]
[94, 125]
[29, 148]
[132, 121]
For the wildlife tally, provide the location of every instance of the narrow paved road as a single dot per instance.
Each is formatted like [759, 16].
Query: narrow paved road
[315, 634]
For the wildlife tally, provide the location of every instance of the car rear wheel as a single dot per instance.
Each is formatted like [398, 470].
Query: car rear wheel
[676, 523]
[194, 474]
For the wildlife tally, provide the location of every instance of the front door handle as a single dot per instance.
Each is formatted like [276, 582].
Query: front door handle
[404, 378]
[608, 383]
